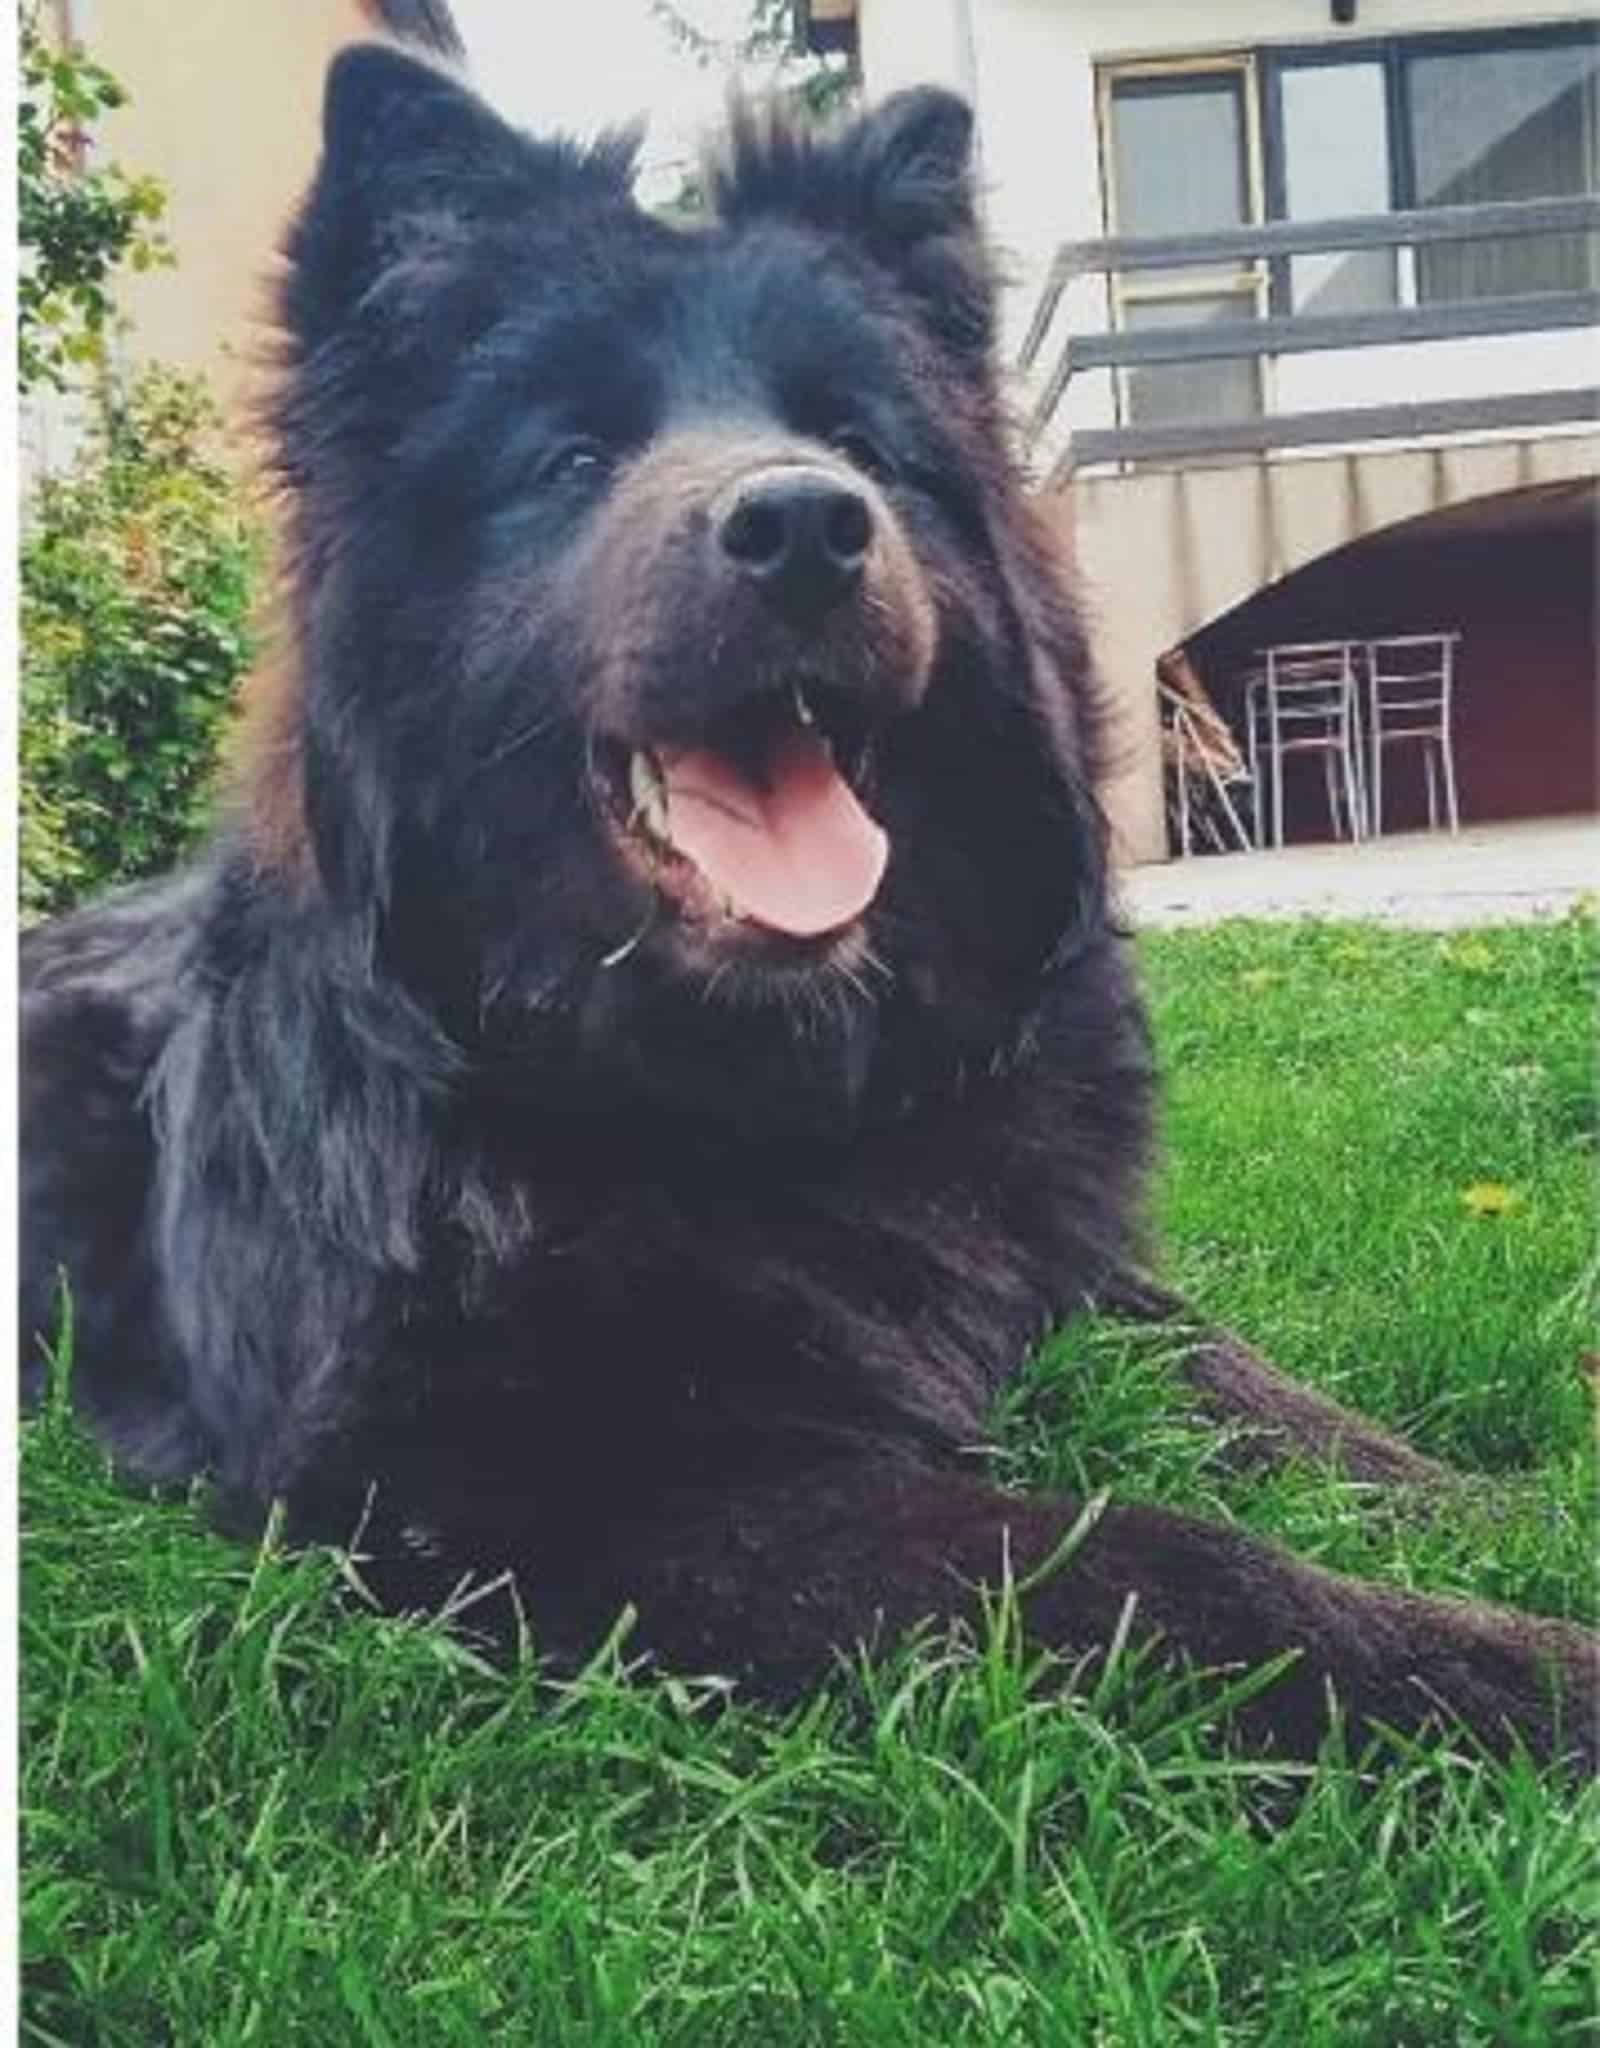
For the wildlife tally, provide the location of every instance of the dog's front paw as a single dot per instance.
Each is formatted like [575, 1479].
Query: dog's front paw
[1517, 1678]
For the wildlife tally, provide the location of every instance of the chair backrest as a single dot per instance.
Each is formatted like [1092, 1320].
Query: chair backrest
[1308, 682]
[1409, 677]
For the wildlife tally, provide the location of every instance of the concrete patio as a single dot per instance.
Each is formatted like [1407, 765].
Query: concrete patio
[1534, 868]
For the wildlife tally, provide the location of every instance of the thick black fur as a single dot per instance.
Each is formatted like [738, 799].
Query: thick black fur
[417, 1160]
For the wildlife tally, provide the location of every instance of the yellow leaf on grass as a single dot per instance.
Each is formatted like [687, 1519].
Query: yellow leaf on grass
[1490, 1198]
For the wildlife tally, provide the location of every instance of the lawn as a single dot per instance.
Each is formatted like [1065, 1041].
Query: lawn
[250, 1816]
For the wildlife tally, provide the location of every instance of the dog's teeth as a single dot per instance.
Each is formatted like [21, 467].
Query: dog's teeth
[648, 792]
[644, 778]
[802, 710]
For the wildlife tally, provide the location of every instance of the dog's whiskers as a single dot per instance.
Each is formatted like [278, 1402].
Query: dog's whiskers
[855, 980]
[870, 964]
[525, 737]
[620, 953]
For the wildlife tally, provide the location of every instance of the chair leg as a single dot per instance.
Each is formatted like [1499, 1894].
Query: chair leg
[1431, 778]
[1356, 742]
[1277, 780]
[1352, 788]
[1224, 802]
[1184, 839]
[1452, 809]
[1331, 790]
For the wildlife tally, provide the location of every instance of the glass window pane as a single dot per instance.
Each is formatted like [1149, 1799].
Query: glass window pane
[1506, 123]
[1167, 393]
[1179, 154]
[1181, 167]
[1336, 162]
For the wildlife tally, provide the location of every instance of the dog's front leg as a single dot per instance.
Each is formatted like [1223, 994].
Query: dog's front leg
[1276, 1418]
[772, 1585]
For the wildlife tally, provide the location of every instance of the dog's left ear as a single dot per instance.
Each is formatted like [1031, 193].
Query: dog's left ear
[898, 180]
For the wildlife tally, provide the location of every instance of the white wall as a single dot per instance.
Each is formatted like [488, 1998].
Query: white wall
[917, 42]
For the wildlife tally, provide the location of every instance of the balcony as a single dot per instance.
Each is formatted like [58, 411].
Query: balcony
[1078, 418]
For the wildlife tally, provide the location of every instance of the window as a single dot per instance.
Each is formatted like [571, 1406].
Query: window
[1507, 122]
[1332, 130]
[1182, 164]
[1183, 155]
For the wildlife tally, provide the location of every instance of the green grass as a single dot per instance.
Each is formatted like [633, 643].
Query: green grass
[250, 1816]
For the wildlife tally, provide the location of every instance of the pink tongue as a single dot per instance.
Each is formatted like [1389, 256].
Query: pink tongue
[800, 855]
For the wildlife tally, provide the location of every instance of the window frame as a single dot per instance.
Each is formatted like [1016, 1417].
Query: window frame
[1394, 53]
[1457, 42]
[1196, 281]
[1461, 43]
[1263, 67]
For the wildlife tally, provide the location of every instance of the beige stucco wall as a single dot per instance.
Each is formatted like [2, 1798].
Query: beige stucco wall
[224, 109]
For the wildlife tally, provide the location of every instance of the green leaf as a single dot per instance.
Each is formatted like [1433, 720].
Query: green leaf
[137, 575]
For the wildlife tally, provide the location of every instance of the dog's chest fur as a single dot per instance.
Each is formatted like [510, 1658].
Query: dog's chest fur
[630, 1285]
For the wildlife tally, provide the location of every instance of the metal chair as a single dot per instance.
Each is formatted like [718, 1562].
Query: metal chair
[1410, 682]
[1304, 700]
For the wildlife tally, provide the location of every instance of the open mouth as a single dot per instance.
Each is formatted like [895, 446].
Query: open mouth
[761, 822]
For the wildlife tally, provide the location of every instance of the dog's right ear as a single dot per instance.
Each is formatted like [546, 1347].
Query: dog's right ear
[898, 180]
[413, 160]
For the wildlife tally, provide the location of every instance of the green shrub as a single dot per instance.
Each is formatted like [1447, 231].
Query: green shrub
[138, 569]
[79, 219]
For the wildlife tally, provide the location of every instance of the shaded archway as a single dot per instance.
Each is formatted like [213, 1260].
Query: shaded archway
[1161, 551]
[1515, 574]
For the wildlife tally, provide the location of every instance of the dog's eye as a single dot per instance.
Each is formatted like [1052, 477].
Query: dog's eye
[575, 461]
[862, 452]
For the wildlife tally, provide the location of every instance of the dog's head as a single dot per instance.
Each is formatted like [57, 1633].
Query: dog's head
[670, 623]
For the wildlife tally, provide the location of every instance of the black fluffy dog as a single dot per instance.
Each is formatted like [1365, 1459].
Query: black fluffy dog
[647, 1055]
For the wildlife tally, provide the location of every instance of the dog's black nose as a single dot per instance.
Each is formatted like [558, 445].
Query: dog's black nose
[802, 534]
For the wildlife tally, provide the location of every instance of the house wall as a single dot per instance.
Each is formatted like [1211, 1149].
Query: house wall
[224, 108]
[1029, 67]
[1160, 551]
